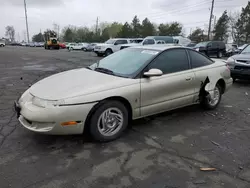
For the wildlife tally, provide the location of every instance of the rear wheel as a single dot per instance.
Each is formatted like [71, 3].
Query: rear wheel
[84, 49]
[108, 121]
[211, 102]
[219, 54]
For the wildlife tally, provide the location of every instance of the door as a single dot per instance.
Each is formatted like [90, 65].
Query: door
[118, 43]
[175, 88]
[214, 49]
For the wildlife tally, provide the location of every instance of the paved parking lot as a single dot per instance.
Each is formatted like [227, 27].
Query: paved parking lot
[164, 151]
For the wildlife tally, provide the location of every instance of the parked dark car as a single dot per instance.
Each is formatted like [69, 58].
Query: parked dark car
[240, 64]
[212, 48]
[91, 47]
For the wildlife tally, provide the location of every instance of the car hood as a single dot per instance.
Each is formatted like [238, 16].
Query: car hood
[76, 82]
[103, 44]
[242, 57]
[132, 44]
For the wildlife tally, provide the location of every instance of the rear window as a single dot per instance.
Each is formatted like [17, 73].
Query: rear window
[198, 60]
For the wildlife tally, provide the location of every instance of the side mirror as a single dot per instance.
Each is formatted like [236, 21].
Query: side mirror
[115, 43]
[153, 72]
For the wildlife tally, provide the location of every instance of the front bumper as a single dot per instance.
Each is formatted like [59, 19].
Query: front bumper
[97, 51]
[48, 120]
[241, 74]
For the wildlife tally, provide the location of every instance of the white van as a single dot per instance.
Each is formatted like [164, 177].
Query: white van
[181, 40]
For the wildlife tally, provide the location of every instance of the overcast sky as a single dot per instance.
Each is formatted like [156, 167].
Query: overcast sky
[43, 13]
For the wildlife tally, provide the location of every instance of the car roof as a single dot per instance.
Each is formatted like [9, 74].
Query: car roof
[159, 47]
[121, 39]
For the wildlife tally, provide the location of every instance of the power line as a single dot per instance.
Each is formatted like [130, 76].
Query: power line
[176, 10]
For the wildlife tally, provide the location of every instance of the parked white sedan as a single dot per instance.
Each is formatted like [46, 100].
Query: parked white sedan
[130, 84]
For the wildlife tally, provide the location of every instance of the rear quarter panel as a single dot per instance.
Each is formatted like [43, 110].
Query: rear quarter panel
[214, 73]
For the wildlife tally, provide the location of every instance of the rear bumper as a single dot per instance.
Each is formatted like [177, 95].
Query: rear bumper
[229, 84]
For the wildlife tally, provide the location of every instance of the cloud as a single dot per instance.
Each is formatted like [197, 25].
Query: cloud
[32, 3]
[43, 13]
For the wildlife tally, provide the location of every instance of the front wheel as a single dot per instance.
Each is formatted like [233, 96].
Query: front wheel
[108, 52]
[84, 49]
[211, 102]
[108, 121]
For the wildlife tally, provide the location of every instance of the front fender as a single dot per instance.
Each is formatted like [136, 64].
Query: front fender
[131, 93]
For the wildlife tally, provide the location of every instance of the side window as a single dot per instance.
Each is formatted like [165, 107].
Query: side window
[198, 60]
[121, 42]
[171, 61]
[149, 41]
[215, 44]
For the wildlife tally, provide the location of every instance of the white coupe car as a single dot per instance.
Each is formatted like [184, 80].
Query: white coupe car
[130, 84]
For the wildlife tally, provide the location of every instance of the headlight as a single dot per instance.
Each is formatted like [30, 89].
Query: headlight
[26, 96]
[46, 103]
[230, 62]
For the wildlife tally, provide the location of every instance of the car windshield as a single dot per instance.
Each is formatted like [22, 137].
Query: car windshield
[110, 41]
[246, 50]
[125, 63]
[201, 44]
[243, 46]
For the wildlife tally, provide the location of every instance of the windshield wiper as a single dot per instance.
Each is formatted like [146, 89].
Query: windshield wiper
[104, 70]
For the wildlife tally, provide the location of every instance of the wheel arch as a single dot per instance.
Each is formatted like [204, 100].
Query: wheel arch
[222, 84]
[115, 98]
[109, 49]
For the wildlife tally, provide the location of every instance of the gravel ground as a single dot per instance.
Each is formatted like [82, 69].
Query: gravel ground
[163, 151]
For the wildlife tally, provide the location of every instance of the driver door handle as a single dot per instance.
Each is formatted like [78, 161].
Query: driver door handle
[188, 78]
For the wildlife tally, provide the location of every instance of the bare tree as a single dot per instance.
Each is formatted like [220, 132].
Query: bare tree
[233, 29]
[10, 32]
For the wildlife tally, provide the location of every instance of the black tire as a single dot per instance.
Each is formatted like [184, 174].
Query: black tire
[205, 100]
[1, 45]
[94, 119]
[84, 49]
[219, 54]
[108, 52]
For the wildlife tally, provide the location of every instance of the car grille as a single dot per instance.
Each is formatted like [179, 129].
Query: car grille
[124, 47]
[242, 61]
[242, 68]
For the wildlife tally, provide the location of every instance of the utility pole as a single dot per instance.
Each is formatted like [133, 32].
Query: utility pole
[97, 22]
[58, 31]
[27, 27]
[210, 19]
